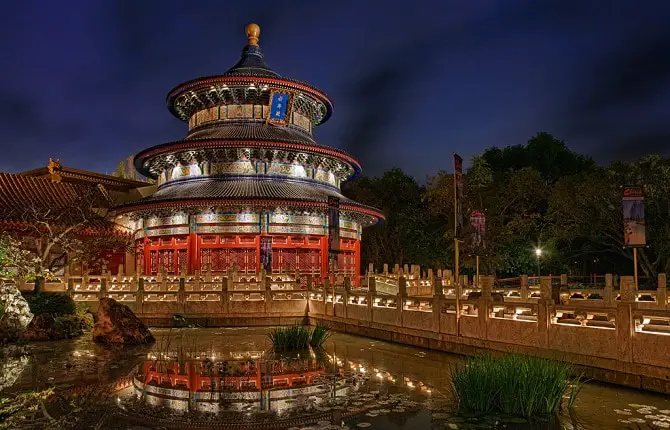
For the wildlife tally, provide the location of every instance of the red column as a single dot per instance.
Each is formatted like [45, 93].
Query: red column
[258, 254]
[357, 263]
[192, 252]
[324, 256]
[147, 257]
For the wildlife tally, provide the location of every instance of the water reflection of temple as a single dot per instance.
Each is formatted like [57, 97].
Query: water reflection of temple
[236, 384]
[233, 375]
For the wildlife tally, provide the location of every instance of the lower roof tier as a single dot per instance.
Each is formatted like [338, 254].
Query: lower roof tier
[244, 191]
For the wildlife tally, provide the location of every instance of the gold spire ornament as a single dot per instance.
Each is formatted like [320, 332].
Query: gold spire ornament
[253, 31]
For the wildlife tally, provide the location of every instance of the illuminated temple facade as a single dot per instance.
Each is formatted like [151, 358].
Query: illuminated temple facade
[248, 187]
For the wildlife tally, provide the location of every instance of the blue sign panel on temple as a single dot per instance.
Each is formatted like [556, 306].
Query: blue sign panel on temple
[278, 106]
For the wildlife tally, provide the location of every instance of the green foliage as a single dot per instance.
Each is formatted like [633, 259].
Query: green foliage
[319, 336]
[2, 310]
[51, 303]
[20, 411]
[514, 385]
[297, 337]
[409, 234]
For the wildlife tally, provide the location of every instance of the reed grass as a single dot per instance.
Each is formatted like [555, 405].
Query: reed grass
[514, 385]
[319, 335]
[297, 337]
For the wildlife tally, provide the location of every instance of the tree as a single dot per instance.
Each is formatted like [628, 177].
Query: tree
[409, 234]
[43, 237]
[587, 219]
[544, 153]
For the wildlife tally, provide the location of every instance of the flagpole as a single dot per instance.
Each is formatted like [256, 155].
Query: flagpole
[457, 284]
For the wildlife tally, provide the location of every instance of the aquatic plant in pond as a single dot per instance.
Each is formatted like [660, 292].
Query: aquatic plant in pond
[514, 385]
[319, 336]
[298, 337]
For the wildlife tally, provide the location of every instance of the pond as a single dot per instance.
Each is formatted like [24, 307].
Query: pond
[355, 381]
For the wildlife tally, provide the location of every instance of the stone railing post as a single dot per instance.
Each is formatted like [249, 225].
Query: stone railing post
[225, 296]
[345, 295]
[662, 292]
[401, 297]
[103, 286]
[372, 284]
[267, 292]
[431, 280]
[438, 297]
[523, 288]
[446, 274]
[263, 277]
[608, 292]
[402, 286]
[484, 304]
[181, 295]
[196, 280]
[386, 269]
[69, 286]
[229, 282]
[310, 283]
[139, 297]
[564, 280]
[544, 311]
[624, 319]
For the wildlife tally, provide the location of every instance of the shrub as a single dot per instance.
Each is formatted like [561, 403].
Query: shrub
[51, 303]
[319, 335]
[298, 337]
[515, 385]
[289, 338]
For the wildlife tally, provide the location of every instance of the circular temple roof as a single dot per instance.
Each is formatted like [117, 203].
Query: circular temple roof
[250, 69]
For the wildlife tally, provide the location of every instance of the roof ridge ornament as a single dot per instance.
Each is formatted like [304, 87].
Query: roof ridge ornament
[253, 31]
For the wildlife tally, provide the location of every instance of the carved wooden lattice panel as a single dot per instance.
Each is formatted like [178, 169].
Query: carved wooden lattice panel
[346, 263]
[153, 259]
[309, 260]
[222, 260]
[181, 261]
[167, 260]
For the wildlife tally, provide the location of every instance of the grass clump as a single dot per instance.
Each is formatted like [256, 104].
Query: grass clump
[297, 337]
[514, 385]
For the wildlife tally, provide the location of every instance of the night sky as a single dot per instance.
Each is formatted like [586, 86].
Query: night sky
[412, 81]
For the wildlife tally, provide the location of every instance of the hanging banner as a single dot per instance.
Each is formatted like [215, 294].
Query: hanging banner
[478, 226]
[266, 253]
[458, 193]
[333, 231]
[634, 234]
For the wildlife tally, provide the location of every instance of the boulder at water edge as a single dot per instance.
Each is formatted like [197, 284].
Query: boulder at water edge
[116, 323]
[15, 315]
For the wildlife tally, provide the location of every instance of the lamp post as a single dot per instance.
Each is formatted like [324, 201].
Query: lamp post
[538, 254]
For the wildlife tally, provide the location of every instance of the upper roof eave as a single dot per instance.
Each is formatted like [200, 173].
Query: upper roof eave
[207, 81]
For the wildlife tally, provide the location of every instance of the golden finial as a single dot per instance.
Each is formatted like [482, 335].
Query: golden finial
[253, 31]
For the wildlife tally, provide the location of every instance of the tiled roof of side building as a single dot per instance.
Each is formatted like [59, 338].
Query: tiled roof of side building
[20, 195]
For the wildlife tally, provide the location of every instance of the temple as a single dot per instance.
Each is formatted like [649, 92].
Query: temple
[248, 187]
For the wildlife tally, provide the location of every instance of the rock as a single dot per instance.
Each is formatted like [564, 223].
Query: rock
[47, 327]
[116, 323]
[15, 315]
[42, 327]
